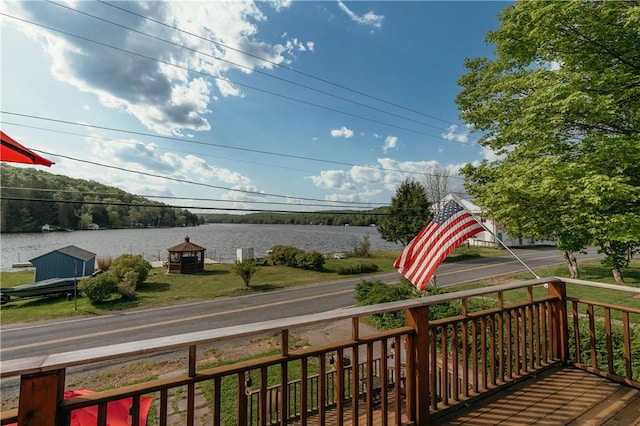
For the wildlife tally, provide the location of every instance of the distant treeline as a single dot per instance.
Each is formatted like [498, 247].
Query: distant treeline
[336, 218]
[32, 198]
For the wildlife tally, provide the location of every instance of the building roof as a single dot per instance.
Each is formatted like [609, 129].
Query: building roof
[73, 251]
[465, 203]
[186, 246]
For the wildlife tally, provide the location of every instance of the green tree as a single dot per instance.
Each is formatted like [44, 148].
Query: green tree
[408, 214]
[125, 263]
[245, 269]
[362, 247]
[99, 288]
[310, 260]
[560, 105]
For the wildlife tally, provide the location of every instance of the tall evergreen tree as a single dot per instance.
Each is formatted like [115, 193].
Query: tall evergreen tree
[408, 214]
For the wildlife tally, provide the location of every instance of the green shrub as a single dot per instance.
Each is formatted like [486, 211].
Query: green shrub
[297, 258]
[127, 287]
[245, 270]
[360, 268]
[363, 247]
[310, 260]
[617, 345]
[285, 255]
[130, 262]
[99, 288]
[372, 292]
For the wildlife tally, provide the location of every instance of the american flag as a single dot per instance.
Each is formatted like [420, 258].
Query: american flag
[449, 228]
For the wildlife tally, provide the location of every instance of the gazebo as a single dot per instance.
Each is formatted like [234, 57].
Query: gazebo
[185, 258]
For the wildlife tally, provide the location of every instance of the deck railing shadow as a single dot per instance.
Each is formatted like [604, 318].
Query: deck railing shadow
[445, 364]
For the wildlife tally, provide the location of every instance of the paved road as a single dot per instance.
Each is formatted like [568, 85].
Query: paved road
[88, 332]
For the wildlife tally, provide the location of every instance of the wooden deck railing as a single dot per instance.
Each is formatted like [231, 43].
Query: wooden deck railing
[412, 374]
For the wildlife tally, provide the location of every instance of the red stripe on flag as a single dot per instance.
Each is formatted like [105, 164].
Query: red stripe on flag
[422, 256]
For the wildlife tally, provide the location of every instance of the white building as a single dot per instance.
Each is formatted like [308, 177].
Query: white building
[495, 230]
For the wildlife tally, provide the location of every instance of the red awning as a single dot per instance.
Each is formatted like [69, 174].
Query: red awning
[14, 152]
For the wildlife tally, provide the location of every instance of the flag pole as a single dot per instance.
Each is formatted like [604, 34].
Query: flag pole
[459, 201]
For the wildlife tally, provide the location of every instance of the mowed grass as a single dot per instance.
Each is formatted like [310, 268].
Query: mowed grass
[591, 270]
[161, 288]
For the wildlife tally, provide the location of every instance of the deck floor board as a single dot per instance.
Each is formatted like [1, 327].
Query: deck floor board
[558, 396]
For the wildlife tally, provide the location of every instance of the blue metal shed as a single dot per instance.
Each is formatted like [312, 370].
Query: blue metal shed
[67, 262]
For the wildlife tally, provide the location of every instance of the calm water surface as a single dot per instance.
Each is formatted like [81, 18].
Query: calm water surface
[220, 240]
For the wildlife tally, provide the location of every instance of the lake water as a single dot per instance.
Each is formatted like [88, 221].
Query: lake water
[220, 240]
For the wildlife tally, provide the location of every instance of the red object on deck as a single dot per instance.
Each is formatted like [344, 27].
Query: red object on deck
[118, 412]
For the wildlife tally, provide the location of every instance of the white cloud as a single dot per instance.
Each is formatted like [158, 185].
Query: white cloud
[278, 5]
[135, 155]
[396, 171]
[369, 18]
[342, 132]
[297, 45]
[362, 174]
[390, 142]
[454, 135]
[489, 154]
[332, 179]
[167, 99]
[351, 198]
[245, 192]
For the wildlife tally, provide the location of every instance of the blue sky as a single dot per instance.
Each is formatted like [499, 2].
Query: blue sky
[306, 105]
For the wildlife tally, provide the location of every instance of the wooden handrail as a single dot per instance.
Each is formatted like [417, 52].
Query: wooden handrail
[170, 343]
[443, 372]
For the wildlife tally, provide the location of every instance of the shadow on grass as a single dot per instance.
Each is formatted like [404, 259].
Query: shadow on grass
[252, 289]
[36, 302]
[591, 272]
[207, 273]
[154, 287]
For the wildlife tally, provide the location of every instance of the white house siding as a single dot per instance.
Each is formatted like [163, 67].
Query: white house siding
[487, 238]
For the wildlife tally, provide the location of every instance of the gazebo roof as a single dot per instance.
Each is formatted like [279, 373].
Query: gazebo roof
[186, 246]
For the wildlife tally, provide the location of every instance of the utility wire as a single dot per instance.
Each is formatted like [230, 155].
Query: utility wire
[290, 98]
[196, 142]
[262, 194]
[163, 197]
[249, 68]
[276, 63]
[113, 203]
[102, 138]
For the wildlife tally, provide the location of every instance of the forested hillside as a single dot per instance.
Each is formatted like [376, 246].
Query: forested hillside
[339, 218]
[31, 198]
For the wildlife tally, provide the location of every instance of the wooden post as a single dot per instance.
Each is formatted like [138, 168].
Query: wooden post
[418, 351]
[559, 321]
[40, 397]
[284, 378]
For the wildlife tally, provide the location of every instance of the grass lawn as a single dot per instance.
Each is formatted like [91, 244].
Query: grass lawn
[219, 281]
[589, 271]
[161, 288]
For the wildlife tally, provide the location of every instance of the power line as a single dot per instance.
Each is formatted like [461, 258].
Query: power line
[121, 193]
[312, 104]
[262, 194]
[196, 142]
[247, 67]
[113, 203]
[150, 135]
[276, 63]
